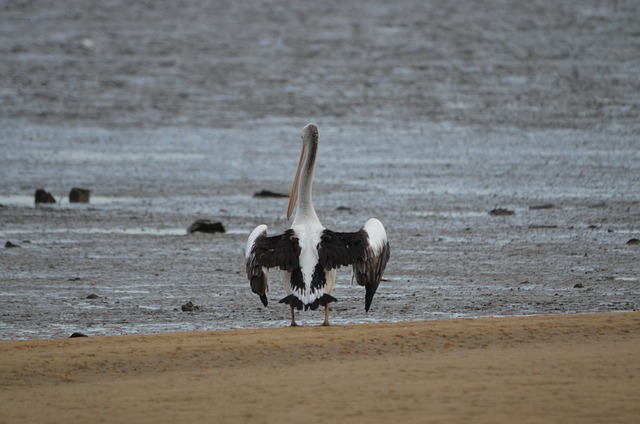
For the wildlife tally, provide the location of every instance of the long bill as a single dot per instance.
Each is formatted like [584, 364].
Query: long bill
[293, 196]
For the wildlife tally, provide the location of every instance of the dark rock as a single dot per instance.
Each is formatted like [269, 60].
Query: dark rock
[190, 307]
[77, 335]
[633, 241]
[206, 226]
[543, 206]
[43, 196]
[10, 245]
[501, 212]
[79, 195]
[268, 193]
[93, 296]
[578, 286]
[343, 208]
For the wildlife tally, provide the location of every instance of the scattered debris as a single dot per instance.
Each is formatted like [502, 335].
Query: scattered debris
[206, 226]
[190, 307]
[633, 241]
[269, 193]
[501, 212]
[77, 335]
[9, 245]
[43, 196]
[79, 195]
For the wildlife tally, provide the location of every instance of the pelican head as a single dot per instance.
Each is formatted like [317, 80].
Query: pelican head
[310, 135]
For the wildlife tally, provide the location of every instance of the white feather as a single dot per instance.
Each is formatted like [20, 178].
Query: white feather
[257, 232]
[377, 235]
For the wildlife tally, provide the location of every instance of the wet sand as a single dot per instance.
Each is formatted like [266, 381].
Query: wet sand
[579, 368]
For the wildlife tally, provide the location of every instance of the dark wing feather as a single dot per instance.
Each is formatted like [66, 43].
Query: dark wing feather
[368, 271]
[339, 249]
[282, 251]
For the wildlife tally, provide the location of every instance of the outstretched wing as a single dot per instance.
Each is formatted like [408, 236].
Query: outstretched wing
[262, 252]
[366, 249]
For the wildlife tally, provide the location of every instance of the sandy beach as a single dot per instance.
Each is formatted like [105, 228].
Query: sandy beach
[573, 368]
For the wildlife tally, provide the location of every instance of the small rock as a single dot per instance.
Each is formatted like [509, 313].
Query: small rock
[206, 226]
[633, 241]
[43, 196]
[10, 245]
[190, 307]
[501, 212]
[543, 206]
[79, 195]
[77, 335]
[343, 208]
[269, 193]
[578, 286]
[93, 296]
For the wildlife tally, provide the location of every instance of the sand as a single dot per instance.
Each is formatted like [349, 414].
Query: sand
[564, 368]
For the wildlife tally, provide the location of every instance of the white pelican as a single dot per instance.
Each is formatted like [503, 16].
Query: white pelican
[308, 253]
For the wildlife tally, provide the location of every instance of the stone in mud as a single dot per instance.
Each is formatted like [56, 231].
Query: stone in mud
[578, 286]
[190, 307]
[501, 212]
[633, 241]
[79, 195]
[269, 193]
[8, 245]
[93, 296]
[74, 335]
[206, 226]
[43, 196]
[542, 206]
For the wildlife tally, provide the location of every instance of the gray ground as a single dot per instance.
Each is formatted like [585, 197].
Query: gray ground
[431, 115]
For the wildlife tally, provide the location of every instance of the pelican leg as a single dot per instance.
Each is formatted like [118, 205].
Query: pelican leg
[326, 316]
[293, 317]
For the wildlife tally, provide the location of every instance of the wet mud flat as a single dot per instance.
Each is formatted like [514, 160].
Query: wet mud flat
[430, 117]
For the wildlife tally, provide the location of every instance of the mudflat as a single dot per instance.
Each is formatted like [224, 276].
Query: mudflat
[432, 115]
[565, 368]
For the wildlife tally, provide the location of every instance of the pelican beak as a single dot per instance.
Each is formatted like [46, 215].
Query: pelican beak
[293, 196]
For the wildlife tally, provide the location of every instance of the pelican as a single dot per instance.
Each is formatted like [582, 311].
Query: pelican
[309, 253]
